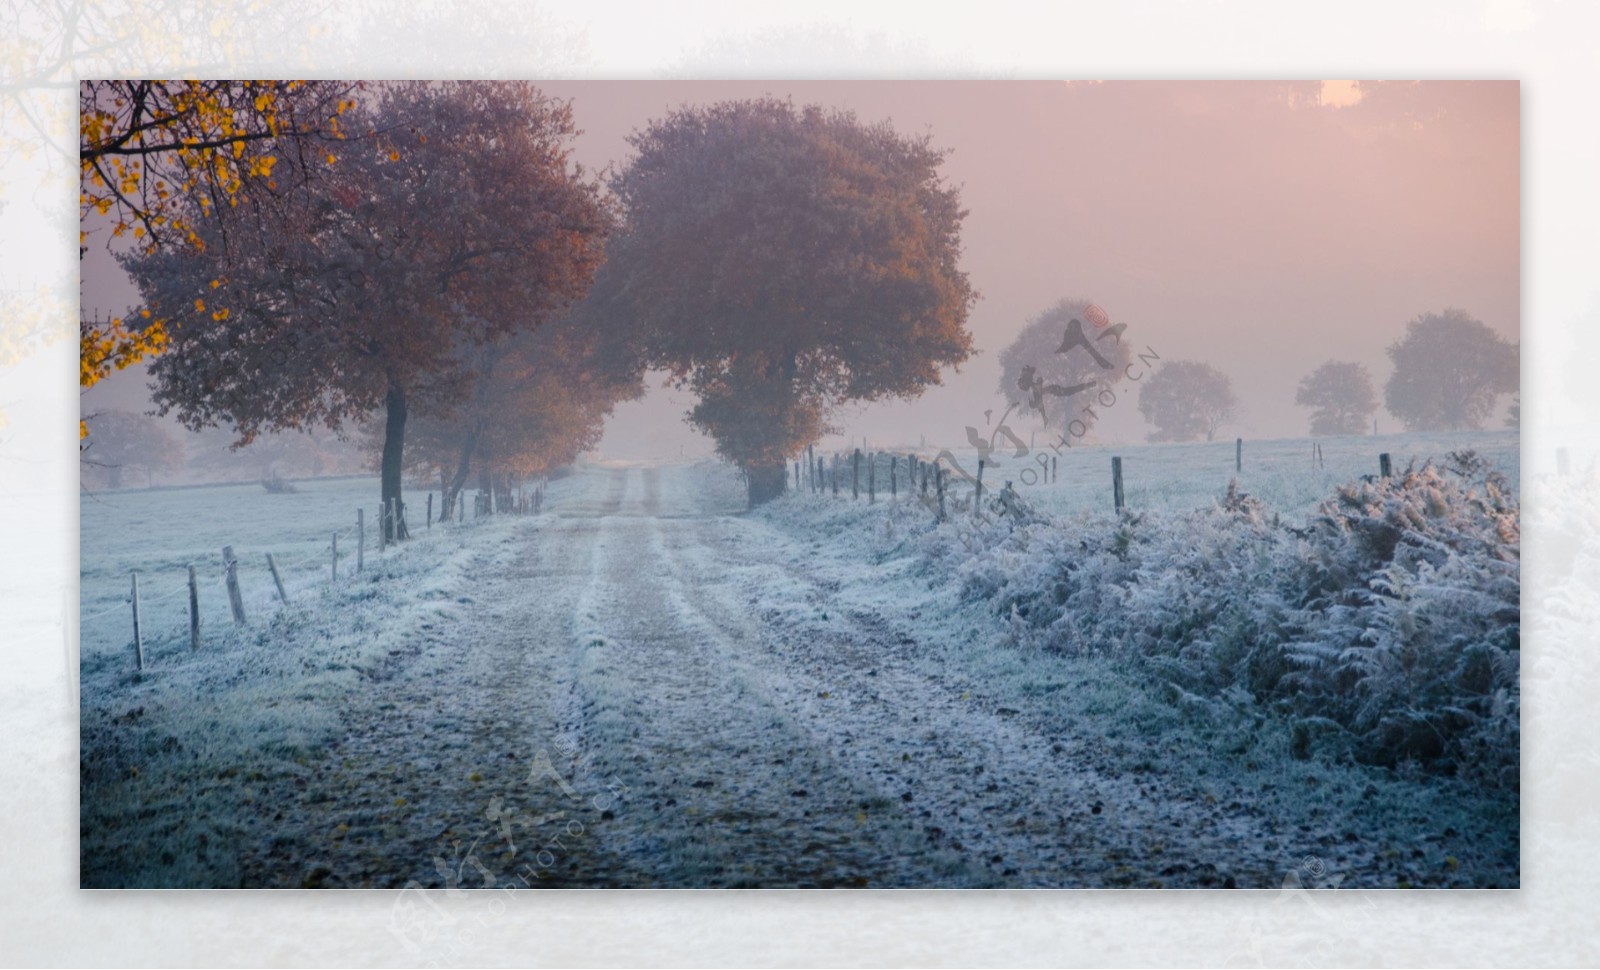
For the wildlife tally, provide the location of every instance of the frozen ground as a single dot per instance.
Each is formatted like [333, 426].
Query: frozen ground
[645, 686]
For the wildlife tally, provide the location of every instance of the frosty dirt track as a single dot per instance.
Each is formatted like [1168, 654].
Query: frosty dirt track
[646, 686]
[720, 717]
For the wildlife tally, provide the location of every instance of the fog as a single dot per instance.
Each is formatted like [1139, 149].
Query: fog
[1262, 227]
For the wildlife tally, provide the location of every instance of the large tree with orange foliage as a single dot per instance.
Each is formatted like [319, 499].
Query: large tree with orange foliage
[782, 261]
[152, 155]
[465, 222]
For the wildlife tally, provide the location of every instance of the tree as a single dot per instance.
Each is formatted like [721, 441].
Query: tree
[126, 440]
[1449, 369]
[539, 399]
[310, 452]
[1186, 399]
[154, 154]
[1056, 360]
[1341, 396]
[782, 261]
[468, 225]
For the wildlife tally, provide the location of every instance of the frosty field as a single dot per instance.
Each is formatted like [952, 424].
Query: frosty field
[648, 686]
[1173, 477]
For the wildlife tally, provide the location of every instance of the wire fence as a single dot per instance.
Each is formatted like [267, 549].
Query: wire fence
[983, 480]
[229, 587]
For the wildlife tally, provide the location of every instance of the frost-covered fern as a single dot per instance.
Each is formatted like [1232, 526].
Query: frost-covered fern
[1390, 621]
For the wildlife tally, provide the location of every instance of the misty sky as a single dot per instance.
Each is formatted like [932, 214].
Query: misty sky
[1263, 227]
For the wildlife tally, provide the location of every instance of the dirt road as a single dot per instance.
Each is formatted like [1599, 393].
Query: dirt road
[651, 688]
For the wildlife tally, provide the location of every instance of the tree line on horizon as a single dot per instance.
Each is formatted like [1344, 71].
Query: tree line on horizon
[425, 264]
[1450, 369]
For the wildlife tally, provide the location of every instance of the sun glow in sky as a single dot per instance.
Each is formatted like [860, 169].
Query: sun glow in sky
[1340, 94]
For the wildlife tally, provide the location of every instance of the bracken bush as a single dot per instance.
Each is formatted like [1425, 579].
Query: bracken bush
[1386, 626]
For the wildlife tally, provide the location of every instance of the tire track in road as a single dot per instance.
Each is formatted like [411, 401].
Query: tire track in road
[725, 788]
[437, 779]
[999, 785]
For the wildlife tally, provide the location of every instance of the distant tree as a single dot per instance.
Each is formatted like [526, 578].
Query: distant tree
[1449, 369]
[464, 224]
[1341, 396]
[781, 261]
[1045, 372]
[123, 440]
[539, 399]
[152, 154]
[1186, 399]
[313, 451]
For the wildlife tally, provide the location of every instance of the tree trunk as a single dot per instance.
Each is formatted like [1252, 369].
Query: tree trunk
[453, 487]
[394, 438]
[766, 482]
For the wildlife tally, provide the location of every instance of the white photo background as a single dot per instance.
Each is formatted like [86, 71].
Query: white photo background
[46, 918]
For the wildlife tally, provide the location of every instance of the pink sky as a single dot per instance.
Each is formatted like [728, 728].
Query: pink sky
[1263, 227]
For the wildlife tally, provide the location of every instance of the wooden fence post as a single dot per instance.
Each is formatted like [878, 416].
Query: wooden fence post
[811, 465]
[797, 476]
[872, 479]
[1116, 482]
[272, 566]
[383, 526]
[194, 611]
[361, 538]
[430, 511]
[894, 476]
[835, 476]
[938, 483]
[1385, 469]
[138, 636]
[977, 494]
[855, 474]
[1055, 473]
[336, 557]
[231, 575]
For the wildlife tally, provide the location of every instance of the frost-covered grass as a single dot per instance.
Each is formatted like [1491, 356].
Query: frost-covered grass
[1370, 636]
[173, 760]
[1387, 623]
[160, 532]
